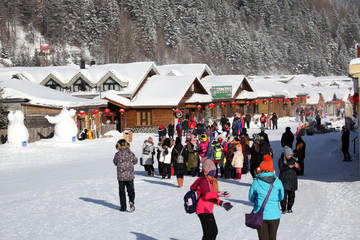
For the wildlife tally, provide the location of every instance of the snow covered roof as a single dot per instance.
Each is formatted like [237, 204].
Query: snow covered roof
[163, 91]
[247, 95]
[223, 80]
[265, 88]
[130, 74]
[43, 96]
[355, 61]
[199, 98]
[195, 69]
[113, 96]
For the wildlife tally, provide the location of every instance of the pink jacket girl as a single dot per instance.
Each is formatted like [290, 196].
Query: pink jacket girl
[203, 145]
[208, 189]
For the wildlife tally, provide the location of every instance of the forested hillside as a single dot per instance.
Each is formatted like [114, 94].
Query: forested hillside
[231, 36]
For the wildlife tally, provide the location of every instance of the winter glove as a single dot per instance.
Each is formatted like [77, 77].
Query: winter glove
[224, 194]
[226, 205]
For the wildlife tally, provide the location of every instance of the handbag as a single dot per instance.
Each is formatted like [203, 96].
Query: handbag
[255, 220]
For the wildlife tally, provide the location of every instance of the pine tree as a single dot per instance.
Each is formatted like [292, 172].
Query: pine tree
[3, 112]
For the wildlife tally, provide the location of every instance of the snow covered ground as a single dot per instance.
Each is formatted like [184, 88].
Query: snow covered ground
[65, 190]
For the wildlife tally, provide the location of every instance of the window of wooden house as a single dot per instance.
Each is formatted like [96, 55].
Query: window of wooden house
[144, 118]
[81, 85]
[53, 85]
[111, 84]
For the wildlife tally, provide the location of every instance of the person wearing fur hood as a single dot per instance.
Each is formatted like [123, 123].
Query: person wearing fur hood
[237, 161]
[148, 156]
[125, 160]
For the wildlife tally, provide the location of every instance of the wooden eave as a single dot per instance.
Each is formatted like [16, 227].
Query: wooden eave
[52, 76]
[77, 76]
[113, 76]
[116, 103]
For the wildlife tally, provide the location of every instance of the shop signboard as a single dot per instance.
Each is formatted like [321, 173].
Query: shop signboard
[221, 92]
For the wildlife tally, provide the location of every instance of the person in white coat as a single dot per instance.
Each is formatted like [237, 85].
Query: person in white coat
[165, 157]
[148, 157]
[237, 161]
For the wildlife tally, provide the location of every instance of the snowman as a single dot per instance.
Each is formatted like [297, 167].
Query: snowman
[65, 126]
[17, 132]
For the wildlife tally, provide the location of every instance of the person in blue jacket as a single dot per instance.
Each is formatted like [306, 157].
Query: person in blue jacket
[257, 194]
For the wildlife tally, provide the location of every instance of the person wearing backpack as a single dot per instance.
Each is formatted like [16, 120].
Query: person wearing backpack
[148, 157]
[179, 157]
[215, 153]
[207, 188]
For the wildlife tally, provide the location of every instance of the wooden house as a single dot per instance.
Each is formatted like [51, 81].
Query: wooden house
[157, 102]
[36, 101]
[225, 91]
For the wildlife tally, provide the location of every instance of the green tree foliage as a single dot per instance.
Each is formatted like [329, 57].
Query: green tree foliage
[3, 112]
[232, 37]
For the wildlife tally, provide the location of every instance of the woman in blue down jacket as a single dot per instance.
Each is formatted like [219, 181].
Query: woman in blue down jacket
[257, 194]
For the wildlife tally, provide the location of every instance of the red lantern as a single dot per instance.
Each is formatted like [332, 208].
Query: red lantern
[95, 111]
[198, 107]
[211, 105]
[279, 100]
[233, 103]
[247, 103]
[288, 100]
[285, 99]
[222, 104]
[265, 100]
[308, 97]
[107, 111]
[303, 97]
[256, 102]
[271, 99]
[296, 99]
[121, 111]
[81, 112]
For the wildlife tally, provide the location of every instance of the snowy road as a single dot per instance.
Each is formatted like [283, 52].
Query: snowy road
[69, 191]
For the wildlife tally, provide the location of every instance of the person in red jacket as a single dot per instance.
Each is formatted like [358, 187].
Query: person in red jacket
[192, 126]
[207, 188]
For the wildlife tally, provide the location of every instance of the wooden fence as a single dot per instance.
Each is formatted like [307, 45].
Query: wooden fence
[36, 134]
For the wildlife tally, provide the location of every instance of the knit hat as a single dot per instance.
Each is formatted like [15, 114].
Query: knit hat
[288, 151]
[208, 165]
[266, 165]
